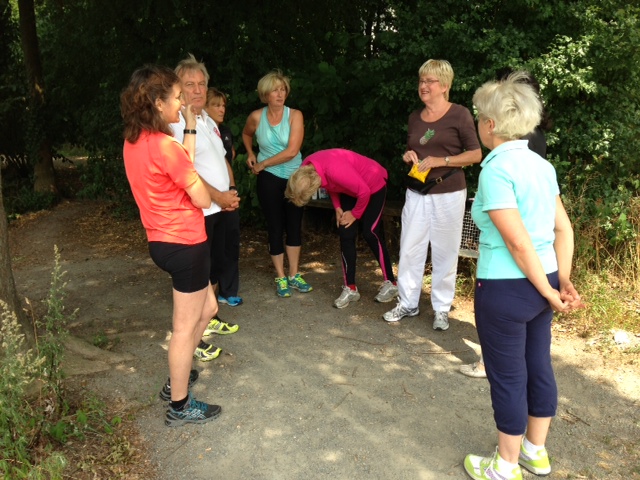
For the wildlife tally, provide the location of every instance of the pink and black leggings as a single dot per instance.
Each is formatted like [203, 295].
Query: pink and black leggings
[372, 232]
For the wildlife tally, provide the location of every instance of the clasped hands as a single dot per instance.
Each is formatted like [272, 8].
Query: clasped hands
[228, 201]
[566, 299]
[346, 219]
[253, 164]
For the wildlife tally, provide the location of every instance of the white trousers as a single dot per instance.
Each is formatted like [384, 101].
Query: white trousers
[435, 219]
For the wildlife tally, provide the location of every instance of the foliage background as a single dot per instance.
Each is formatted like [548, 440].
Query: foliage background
[353, 67]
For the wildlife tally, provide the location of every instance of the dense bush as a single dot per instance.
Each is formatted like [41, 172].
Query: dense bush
[353, 67]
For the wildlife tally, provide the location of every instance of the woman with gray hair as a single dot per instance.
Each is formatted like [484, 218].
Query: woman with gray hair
[441, 140]
[526, 249]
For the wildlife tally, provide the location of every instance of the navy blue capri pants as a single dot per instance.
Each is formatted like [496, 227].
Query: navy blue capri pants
[514, 327]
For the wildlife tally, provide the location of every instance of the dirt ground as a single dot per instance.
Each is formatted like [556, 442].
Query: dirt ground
[309, 391]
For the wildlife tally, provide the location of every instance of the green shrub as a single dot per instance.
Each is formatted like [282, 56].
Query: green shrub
[25, 200]
[34, 414]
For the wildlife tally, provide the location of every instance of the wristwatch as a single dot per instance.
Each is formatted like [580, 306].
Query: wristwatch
[446, 160]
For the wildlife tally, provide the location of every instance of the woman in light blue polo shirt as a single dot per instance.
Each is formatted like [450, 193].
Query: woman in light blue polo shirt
[526, 247]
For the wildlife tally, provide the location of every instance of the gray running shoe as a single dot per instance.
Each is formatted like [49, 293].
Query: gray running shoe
[399, 312]
[388, 291]
[441, 321]
[347, 296]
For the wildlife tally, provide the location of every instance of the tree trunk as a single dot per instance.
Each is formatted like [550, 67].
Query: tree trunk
[8, 292]
[40, 144]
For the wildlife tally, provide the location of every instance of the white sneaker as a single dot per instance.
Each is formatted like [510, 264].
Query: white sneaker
[388, 291]
[473, 370]
[347, 296]
[486, 468]
[441, 321]
[399, 312]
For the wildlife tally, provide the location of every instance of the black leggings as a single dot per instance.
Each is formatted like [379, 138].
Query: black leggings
[282, 216]
[223, 235]
[372, 232]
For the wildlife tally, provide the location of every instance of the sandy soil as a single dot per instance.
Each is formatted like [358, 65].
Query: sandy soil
[309, 391]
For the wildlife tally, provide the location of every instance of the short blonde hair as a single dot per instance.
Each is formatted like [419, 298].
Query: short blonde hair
[442, 70]
[269, 82]
[511, 103]
[302, 184]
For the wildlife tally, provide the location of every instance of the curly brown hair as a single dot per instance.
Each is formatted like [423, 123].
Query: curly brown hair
[138, 101]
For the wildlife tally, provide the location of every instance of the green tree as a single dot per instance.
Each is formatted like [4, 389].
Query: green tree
[39, 142]
[8, 293]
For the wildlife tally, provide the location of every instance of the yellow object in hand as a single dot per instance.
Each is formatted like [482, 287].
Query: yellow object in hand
[417, 174]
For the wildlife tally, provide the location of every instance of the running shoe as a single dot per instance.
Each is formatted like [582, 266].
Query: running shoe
[193, 412]
[282, 287]
[206, 352]
[231, 301]
[537, 463]
[473, 370]
[486, 468]
[165, 393]
[299, 283]
[441, 321]
[399, 312]
[217, 325]
[347, 296]
[388, 291]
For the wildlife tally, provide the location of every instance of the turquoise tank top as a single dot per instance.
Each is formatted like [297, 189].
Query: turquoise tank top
[273, 140]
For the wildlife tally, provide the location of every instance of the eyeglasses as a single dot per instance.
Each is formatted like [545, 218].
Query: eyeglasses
[427, 82]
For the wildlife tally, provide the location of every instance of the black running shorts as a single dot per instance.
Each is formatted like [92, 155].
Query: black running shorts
[188, 265]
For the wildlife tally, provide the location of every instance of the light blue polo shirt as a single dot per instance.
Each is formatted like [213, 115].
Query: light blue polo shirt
[513, 176]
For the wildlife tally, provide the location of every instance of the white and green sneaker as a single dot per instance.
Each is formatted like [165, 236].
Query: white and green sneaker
[537, 463]
[486, 468]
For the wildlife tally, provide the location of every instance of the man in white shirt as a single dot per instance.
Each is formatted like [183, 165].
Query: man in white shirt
[217, 175]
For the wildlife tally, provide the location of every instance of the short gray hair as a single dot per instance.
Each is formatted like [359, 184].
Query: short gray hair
[190, 63]
[511, 103]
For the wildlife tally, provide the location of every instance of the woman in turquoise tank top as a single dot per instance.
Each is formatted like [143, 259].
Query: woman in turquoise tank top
[279, 131]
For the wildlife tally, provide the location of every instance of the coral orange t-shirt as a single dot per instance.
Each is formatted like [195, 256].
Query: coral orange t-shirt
[159, 169]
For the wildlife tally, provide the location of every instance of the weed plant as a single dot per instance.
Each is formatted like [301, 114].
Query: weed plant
[35, 417]
[607, 277]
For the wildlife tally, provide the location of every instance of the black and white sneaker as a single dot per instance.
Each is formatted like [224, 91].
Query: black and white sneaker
[165, 393]
[193, 412]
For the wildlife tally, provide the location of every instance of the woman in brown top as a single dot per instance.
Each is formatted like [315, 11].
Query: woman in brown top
[441, 139]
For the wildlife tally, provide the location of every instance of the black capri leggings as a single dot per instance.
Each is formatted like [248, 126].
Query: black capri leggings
[281, 215]
[373, 233]
[188, 265]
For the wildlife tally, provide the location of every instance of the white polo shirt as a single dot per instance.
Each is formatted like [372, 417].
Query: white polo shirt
[210, 162]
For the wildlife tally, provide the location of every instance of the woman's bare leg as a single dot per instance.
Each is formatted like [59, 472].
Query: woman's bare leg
[189, 313]
[293, 256]
[278, 263]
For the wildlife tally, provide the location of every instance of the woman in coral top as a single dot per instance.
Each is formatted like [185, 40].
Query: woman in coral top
[170, 196]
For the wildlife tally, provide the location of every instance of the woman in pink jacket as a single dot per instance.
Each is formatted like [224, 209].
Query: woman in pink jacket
[357, 186]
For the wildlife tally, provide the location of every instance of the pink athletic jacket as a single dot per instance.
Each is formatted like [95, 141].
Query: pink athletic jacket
[344, 171]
